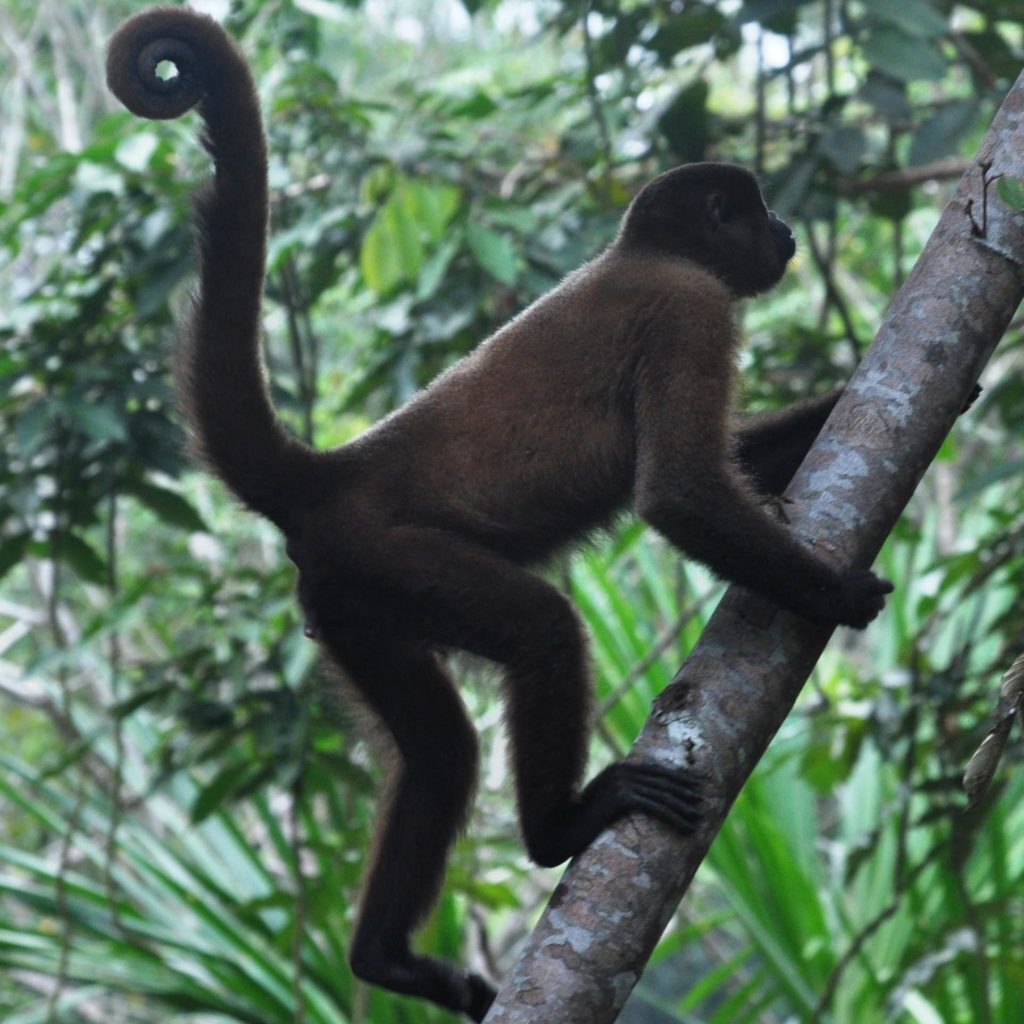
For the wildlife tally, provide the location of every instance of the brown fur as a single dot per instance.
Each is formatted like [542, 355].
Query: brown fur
[616, 387]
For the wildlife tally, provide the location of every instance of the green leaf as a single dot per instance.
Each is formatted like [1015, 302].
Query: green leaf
[690, 27]
[169, 506]
[941, 133]
[613, 47]
[33, 425]
[1011, 191]
[219, 791]
[889, 98]
[768, 10]
[436, 268]
[208, 715]
[392, 250]
[125, 708]
[494, 252]
[99, 420]
[430, 205]
[377, 184]
[81, 557]
[401, 231]
[844, 147]
[12, 551]
[793, 187]
[998, 54]
[903, 57]
[684, 122]
[893, 205]
[913, 17]
[155, 290]
[378, 260]
[475, 107]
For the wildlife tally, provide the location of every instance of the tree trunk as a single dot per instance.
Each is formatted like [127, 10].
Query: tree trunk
[732, 694]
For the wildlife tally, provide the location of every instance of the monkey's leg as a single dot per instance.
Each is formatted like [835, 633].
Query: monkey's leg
[426, 805]
[770, 446]
[463, 596]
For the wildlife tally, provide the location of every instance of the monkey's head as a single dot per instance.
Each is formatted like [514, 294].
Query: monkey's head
[714, 215]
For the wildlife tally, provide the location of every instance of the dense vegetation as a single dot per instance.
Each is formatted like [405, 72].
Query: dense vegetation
[183, 807]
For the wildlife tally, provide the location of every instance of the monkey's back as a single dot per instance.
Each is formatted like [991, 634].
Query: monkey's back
[528, 442]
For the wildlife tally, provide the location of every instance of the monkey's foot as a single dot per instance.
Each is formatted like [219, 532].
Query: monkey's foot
[427, 977]
[672, 795]
[481, 995]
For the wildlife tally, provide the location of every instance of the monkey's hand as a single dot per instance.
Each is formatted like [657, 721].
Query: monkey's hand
[672, 795]
[971, 398]
[856, 599]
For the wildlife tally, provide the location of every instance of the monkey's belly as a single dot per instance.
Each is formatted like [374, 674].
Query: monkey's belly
[532, 527]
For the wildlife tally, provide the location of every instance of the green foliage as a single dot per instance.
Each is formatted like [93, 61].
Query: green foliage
[414, 218]
[87, 408]
[1011, 192]
[184, 807]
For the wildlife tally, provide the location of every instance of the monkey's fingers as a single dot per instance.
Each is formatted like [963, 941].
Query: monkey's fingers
[480, 996]
[863, 598]
[971, 398]
[853, 599]
[672, 795]
[869, 583]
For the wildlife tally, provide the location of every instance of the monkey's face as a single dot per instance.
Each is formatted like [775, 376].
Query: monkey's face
[742, 242]
[714, 215]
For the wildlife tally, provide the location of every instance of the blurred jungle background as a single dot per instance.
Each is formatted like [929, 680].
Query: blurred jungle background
[184, 806]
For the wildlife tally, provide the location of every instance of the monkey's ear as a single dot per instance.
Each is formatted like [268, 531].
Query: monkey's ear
[718, 208]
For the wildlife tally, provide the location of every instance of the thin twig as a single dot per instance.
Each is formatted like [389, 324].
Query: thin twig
[857, 946]
[595, 105]
[833, 295]
[299, 901]
[67, 842]
[115, 657]
[668, 638]
[950, 169]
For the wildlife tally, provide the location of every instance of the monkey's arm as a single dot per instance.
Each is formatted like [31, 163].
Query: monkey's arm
[770, 446]
[688, 489]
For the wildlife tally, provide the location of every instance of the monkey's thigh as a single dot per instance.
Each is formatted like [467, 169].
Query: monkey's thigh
[440, 588]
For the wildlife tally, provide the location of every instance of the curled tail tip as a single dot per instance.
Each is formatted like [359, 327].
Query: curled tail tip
[186, 39]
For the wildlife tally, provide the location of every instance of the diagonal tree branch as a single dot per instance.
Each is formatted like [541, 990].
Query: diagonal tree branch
[740, 682]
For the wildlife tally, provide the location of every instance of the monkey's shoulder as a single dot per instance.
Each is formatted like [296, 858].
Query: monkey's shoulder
[625, 296]
[614, 297]
[635, 278]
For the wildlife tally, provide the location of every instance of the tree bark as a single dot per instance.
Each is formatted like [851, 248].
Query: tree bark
[732, 694]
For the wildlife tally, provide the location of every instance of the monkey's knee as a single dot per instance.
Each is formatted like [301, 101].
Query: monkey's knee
[549, 637]
[371, 961]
